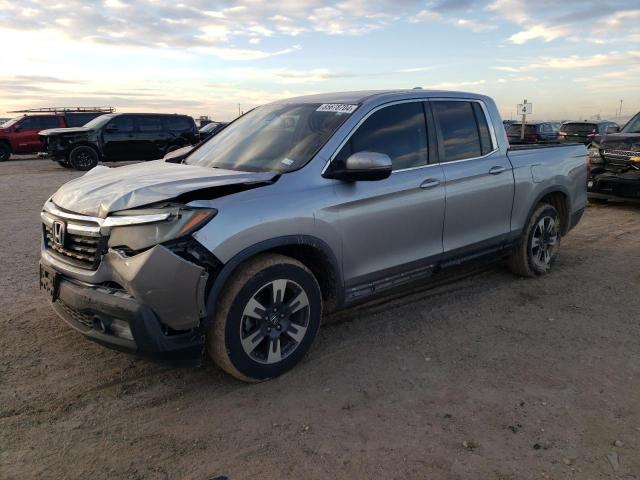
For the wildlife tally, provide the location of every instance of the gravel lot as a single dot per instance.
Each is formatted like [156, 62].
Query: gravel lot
[488, 377]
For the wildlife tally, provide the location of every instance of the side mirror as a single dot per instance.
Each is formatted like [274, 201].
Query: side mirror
[363, 166]
[612, 129]
[176, 156]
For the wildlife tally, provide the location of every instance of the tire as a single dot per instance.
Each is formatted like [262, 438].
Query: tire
[64, 164]
[264, 345]
[538, 249]
[5, 152]
[83, 158]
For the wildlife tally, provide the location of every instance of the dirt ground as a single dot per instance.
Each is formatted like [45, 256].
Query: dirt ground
[488, 377]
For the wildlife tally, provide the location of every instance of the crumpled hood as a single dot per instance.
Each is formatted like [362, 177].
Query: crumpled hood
[103, 190]
[62, 131]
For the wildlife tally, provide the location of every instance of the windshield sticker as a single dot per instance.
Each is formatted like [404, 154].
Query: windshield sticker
[337, 108]
[287, 161]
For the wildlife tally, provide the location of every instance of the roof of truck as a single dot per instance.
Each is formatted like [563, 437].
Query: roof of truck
[361, 96]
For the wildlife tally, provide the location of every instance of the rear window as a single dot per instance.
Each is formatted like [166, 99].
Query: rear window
[178, 123]
[579, 128]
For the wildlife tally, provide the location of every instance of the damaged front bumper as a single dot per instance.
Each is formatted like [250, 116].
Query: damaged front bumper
[150, 301]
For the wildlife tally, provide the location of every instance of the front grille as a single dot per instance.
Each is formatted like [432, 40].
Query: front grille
[76, 315]
[620, 154]
[81, 244]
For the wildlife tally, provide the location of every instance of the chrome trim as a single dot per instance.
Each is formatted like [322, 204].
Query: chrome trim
[113, 221]
[490, 125]
[73, 228]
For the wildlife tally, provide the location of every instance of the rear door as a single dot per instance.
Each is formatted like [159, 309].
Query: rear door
[118, 141]
[151, 137]
[479, 182]
[393, 227]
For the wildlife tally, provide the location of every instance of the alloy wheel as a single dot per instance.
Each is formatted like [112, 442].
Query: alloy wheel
[544, 242]
[274, 321]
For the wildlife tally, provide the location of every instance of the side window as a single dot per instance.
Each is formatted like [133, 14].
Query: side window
[122, 123]
[177, 123]
[399, 131]
[459, 130]
[483, 128]
[49, 122]
[149, 124]
[29, 123]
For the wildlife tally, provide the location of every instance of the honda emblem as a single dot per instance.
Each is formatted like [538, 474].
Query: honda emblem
[59, 231]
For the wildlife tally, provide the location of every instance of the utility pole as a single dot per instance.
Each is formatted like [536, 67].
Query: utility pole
[524, 120]
[620, 112]
[238, 109]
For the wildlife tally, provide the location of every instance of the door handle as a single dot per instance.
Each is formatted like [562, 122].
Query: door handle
[430, 183]
[496, 170]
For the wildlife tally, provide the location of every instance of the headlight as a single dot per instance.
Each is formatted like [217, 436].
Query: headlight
[180, 222]
[594, 153]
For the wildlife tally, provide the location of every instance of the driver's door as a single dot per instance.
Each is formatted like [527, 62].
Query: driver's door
[391, 229]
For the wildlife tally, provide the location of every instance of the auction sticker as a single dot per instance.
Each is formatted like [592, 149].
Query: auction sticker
[337, 108]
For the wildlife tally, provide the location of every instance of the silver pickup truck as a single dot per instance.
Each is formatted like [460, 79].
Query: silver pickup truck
[300, 207]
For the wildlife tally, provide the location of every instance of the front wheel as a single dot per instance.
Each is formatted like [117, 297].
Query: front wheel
[266, 319]
[5, 152]
[83, 158]
[540, 243]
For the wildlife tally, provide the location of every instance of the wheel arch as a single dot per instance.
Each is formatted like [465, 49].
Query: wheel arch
[314, 253]
[84, 144]
[559, 198]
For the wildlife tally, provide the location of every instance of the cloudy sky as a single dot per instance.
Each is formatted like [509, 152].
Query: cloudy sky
[574, 58]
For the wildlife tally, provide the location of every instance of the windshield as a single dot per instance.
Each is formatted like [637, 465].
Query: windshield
[273, 138]
[99, 121]
[633, 126]
[8, 123]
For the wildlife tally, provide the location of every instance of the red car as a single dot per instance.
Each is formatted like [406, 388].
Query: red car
[20, 135]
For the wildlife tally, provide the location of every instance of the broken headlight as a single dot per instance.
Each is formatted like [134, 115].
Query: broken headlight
[182, 221]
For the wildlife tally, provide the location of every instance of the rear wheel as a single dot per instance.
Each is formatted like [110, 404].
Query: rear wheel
[266, 319]
[540, 244]
[5, 152]
[83, 158]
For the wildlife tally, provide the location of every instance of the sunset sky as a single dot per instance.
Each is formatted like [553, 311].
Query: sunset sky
[571, 59]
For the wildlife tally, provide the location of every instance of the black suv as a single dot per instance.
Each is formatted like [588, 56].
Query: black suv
[122, 136]
[587, 132]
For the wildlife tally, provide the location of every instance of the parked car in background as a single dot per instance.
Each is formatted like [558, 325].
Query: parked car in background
[587, 132]
[211, 129]
[535, 132]
[300, 207]
[20, 135]
[119, 136]
[617, 175]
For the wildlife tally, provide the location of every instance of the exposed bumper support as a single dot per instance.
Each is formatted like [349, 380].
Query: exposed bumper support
[91, 310]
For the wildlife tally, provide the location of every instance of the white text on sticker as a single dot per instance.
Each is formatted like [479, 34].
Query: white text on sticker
[337, 108]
